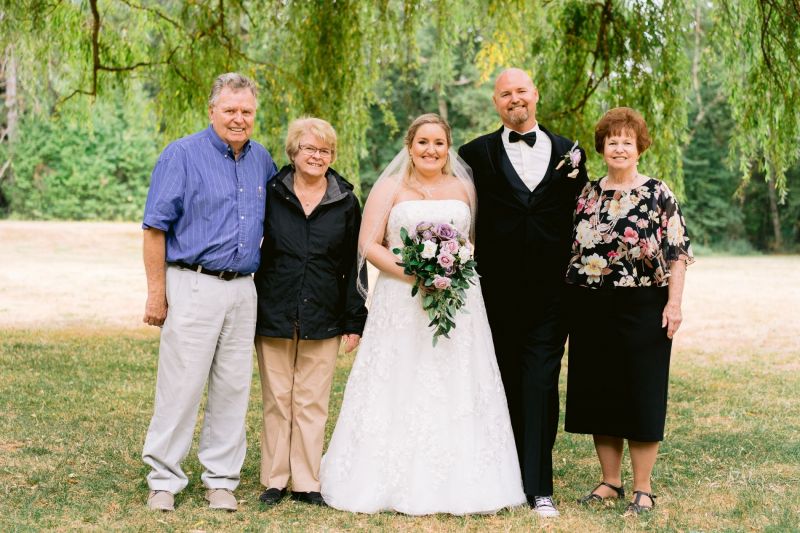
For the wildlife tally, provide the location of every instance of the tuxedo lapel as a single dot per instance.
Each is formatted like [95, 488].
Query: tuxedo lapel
[504, 170]
[540, 189]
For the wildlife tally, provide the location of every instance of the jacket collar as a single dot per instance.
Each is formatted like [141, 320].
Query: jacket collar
[337, 187]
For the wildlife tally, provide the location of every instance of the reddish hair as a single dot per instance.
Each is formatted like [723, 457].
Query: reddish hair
[618, 120]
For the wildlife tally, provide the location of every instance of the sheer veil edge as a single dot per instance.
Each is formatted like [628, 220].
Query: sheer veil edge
[390, 183]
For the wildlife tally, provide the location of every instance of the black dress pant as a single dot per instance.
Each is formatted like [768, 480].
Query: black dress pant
[529, 346]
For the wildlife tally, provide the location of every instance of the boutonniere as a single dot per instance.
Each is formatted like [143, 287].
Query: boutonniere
[573, 158]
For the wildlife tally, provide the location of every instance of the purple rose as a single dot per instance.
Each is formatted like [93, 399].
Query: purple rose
[446, 260]
[441, 282]
[450, 247]
[446, 232]
[427, 235]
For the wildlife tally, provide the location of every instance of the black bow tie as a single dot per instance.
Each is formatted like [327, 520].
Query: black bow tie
[529, 138]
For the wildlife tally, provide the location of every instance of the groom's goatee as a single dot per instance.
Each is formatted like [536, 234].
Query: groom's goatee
[519, 115]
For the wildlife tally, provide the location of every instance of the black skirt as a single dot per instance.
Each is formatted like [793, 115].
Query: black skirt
[618, 362]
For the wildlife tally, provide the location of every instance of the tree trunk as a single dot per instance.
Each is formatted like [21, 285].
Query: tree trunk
[777, 240]
[12, 110]
[442, 107]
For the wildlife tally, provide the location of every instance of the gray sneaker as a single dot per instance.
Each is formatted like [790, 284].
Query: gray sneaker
[221, 499]
[160, 500]
[544, 507]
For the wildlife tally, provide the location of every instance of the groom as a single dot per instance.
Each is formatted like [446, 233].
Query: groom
[527, 185]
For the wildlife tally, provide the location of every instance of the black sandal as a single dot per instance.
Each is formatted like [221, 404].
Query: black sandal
[635, 508]
[592, 497]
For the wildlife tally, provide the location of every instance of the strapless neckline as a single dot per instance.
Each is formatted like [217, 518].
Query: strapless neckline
[462, 202]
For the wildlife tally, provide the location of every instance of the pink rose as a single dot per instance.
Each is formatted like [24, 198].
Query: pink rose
[450, 247]
[631, 236]
[446, 260]
[441, 282]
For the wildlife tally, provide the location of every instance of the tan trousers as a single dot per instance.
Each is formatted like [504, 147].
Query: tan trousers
[296, 377]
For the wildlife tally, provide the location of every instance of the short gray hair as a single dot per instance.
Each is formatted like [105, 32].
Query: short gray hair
[234, 81]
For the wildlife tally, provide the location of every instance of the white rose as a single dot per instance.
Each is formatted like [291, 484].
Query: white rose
[465, 253]
[429, 252]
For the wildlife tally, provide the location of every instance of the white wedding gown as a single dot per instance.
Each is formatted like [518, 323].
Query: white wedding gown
[422, 430]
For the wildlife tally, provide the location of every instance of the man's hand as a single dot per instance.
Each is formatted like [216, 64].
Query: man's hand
[155, 311]
[350, 342]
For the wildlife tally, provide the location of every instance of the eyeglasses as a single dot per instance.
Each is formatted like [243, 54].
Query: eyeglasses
[324, 153]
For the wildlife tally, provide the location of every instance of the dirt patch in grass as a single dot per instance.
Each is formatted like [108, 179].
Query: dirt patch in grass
[90, 276]
[71, 274]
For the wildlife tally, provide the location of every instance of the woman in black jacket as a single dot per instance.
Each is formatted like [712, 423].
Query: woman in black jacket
[307, 302]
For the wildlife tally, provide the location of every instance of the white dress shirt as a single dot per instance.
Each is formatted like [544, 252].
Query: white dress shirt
[530, 162]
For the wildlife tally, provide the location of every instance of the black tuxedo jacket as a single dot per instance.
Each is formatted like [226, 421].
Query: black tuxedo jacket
[523, 237]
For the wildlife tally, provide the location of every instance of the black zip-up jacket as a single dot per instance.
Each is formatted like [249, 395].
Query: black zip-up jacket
[307, 277]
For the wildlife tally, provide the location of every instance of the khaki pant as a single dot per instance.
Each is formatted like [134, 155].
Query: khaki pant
[206, 338]
[296, 377]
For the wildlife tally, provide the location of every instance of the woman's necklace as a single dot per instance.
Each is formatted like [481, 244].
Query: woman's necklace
[310, 196]
[609, 228]
[428, 190]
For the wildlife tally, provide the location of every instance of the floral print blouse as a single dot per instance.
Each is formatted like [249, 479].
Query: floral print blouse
[627, 238]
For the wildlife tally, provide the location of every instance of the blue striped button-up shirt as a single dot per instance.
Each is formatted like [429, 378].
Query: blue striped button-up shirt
[210, 205]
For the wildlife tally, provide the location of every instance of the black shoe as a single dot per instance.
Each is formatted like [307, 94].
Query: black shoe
[272, 496]
[314, 498]
[636, 508]
[593, 497]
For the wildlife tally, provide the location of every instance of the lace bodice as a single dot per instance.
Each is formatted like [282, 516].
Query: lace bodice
[411, 212]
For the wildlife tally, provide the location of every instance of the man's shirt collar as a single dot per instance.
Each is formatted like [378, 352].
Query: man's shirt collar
[220, 145]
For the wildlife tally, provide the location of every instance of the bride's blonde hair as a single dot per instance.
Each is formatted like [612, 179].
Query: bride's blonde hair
[427, 118]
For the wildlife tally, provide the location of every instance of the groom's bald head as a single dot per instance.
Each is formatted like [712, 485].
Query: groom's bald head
[515, 97]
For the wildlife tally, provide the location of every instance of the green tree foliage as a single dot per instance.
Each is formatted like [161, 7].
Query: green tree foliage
[759, 47]
[717, 218]
[370, 66]
[65, 169]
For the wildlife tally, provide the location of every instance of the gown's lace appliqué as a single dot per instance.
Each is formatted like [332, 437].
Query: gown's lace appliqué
[423, 430]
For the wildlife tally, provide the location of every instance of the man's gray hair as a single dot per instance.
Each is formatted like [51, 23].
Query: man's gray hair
[234, 81]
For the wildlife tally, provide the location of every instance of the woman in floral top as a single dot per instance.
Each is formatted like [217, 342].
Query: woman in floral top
[626, 273]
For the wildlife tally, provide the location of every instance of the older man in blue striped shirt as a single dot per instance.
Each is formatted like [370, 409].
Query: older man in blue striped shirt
[203, 223]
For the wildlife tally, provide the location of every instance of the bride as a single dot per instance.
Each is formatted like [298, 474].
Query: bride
[422, 429]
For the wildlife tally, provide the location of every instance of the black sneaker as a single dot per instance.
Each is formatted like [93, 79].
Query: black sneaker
[272, 496]
[314, 498]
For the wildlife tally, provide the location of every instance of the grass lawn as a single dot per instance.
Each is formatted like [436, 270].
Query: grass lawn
[75, 407]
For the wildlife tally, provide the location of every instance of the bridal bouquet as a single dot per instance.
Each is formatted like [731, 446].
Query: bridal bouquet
[440, 259]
